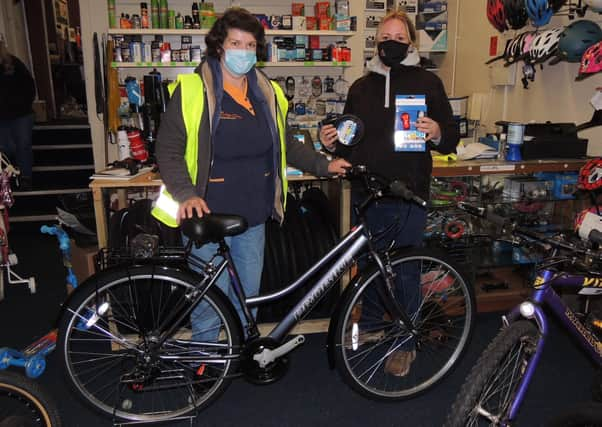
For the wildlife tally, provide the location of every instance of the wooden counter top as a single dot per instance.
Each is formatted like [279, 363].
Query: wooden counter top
[489, 167]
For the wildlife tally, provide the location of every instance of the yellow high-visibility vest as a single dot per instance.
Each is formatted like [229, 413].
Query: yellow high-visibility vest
[193, 101]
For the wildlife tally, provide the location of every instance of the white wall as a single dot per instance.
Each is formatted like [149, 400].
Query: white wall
[553, 96]
[12, 26]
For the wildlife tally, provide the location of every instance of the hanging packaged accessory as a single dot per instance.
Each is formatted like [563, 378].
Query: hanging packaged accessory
[316, 86]
[290, 88]
[329, 84]
[341, 86]
[304, 87]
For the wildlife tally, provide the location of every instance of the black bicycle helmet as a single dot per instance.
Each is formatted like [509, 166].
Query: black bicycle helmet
[556, 4]
[576, 38]
[515, 13]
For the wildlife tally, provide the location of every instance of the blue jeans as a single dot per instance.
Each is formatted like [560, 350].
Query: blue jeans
[247, 253]
[411, 220]
[15, 142]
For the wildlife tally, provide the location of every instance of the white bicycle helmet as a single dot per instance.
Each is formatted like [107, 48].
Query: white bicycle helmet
[594, 5]
[544, 45]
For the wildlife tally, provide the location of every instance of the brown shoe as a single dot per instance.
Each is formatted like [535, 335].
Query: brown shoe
[398, 363]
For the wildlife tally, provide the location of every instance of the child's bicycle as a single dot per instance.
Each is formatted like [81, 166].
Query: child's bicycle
[128, 347]
[494, 390]
[24, 402]
[7, 257]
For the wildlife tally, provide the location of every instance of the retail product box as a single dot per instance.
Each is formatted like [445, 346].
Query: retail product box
[298, 23]
[322, 8]
[298, 9]
[83, 261]
[324, 23]
[39, 110]
[311, 22]
[527, 187]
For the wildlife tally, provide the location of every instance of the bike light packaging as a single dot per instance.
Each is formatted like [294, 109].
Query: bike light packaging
[564, 183]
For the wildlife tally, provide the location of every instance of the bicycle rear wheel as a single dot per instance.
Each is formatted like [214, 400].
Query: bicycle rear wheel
[23, 402]
[491, 386]
[108, 344]
[443, 314]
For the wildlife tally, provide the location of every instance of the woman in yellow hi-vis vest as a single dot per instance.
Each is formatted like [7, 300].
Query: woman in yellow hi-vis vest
[223, 147]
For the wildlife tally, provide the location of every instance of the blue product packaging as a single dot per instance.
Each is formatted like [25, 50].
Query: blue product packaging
[408, 109]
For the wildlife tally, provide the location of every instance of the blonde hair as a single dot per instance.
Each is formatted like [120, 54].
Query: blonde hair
[400, 16]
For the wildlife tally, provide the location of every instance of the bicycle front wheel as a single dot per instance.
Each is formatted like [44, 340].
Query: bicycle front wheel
[440, 302]
[110, 346]
[490, 388]
[23, 402]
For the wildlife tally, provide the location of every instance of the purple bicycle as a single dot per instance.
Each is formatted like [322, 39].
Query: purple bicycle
[495, 388]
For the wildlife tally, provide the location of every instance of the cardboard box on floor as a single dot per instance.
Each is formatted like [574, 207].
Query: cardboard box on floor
[82, 261]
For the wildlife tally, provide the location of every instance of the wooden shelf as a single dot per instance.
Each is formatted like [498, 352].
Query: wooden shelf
[492, 167]
[203, 31]
[259, 64]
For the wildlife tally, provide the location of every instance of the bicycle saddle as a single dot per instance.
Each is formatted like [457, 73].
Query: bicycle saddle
[213, 228]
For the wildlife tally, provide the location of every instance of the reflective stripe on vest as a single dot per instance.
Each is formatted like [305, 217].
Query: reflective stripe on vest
[281, 112]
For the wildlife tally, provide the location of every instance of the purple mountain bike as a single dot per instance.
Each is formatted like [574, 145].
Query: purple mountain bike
[495, 388]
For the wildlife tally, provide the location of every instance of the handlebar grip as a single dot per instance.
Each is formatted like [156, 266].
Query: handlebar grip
[399, 189]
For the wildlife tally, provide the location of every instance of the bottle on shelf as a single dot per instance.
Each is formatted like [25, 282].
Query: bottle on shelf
[155, 13]
[112, 15]
[144, 15]
[163, 14]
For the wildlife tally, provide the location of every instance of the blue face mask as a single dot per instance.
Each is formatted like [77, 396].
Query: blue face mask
[239, 61]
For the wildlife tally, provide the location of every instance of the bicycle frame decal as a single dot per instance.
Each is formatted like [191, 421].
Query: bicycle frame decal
[319, 289]
[587, 335]
[595, 282]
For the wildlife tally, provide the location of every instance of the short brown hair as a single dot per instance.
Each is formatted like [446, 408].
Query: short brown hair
[240, 19]
[400, 16]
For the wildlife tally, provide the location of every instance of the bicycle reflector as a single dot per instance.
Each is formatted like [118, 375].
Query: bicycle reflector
[350, 128]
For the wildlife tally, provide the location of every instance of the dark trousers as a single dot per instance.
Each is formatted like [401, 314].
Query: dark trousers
[15, 142]
[410, 221]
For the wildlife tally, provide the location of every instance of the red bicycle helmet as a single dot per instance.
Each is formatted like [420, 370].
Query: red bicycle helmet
[591, 62]
[590, 175]
[496, 15]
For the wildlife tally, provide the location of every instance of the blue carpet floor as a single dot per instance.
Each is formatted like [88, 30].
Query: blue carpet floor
[310, 394]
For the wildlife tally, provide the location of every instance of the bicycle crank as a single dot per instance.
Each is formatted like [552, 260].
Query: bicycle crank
[264, 360]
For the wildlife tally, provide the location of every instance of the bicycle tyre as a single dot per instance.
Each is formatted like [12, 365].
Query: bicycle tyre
[490, 367]
[25, 402]
[584, 414]
[366, 337]
[107, 361]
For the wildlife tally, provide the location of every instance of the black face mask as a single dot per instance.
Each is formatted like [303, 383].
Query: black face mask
[391, 53]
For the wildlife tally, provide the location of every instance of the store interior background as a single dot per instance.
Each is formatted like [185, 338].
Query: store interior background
[554, 95]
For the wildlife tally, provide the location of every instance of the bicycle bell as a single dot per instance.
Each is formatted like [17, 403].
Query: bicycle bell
[350, 128]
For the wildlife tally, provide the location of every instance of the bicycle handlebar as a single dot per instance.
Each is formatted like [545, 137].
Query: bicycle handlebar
[379, 186]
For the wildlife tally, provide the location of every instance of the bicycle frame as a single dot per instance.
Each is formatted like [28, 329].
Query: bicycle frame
[545, 296]
[346, 251]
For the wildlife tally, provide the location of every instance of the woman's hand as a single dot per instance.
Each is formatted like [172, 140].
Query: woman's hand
[338, 166]
[328, 137]
[188, 207]
[430, 127]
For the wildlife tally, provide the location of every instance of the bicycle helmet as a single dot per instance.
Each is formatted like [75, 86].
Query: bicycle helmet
[591, 63]
[576, 38]
[539, 11]
[544, 45]
[594, 5]
[590, 175]
[496, 15]
[515, 13]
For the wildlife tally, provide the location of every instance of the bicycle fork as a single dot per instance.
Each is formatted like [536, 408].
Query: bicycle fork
[387, 293]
